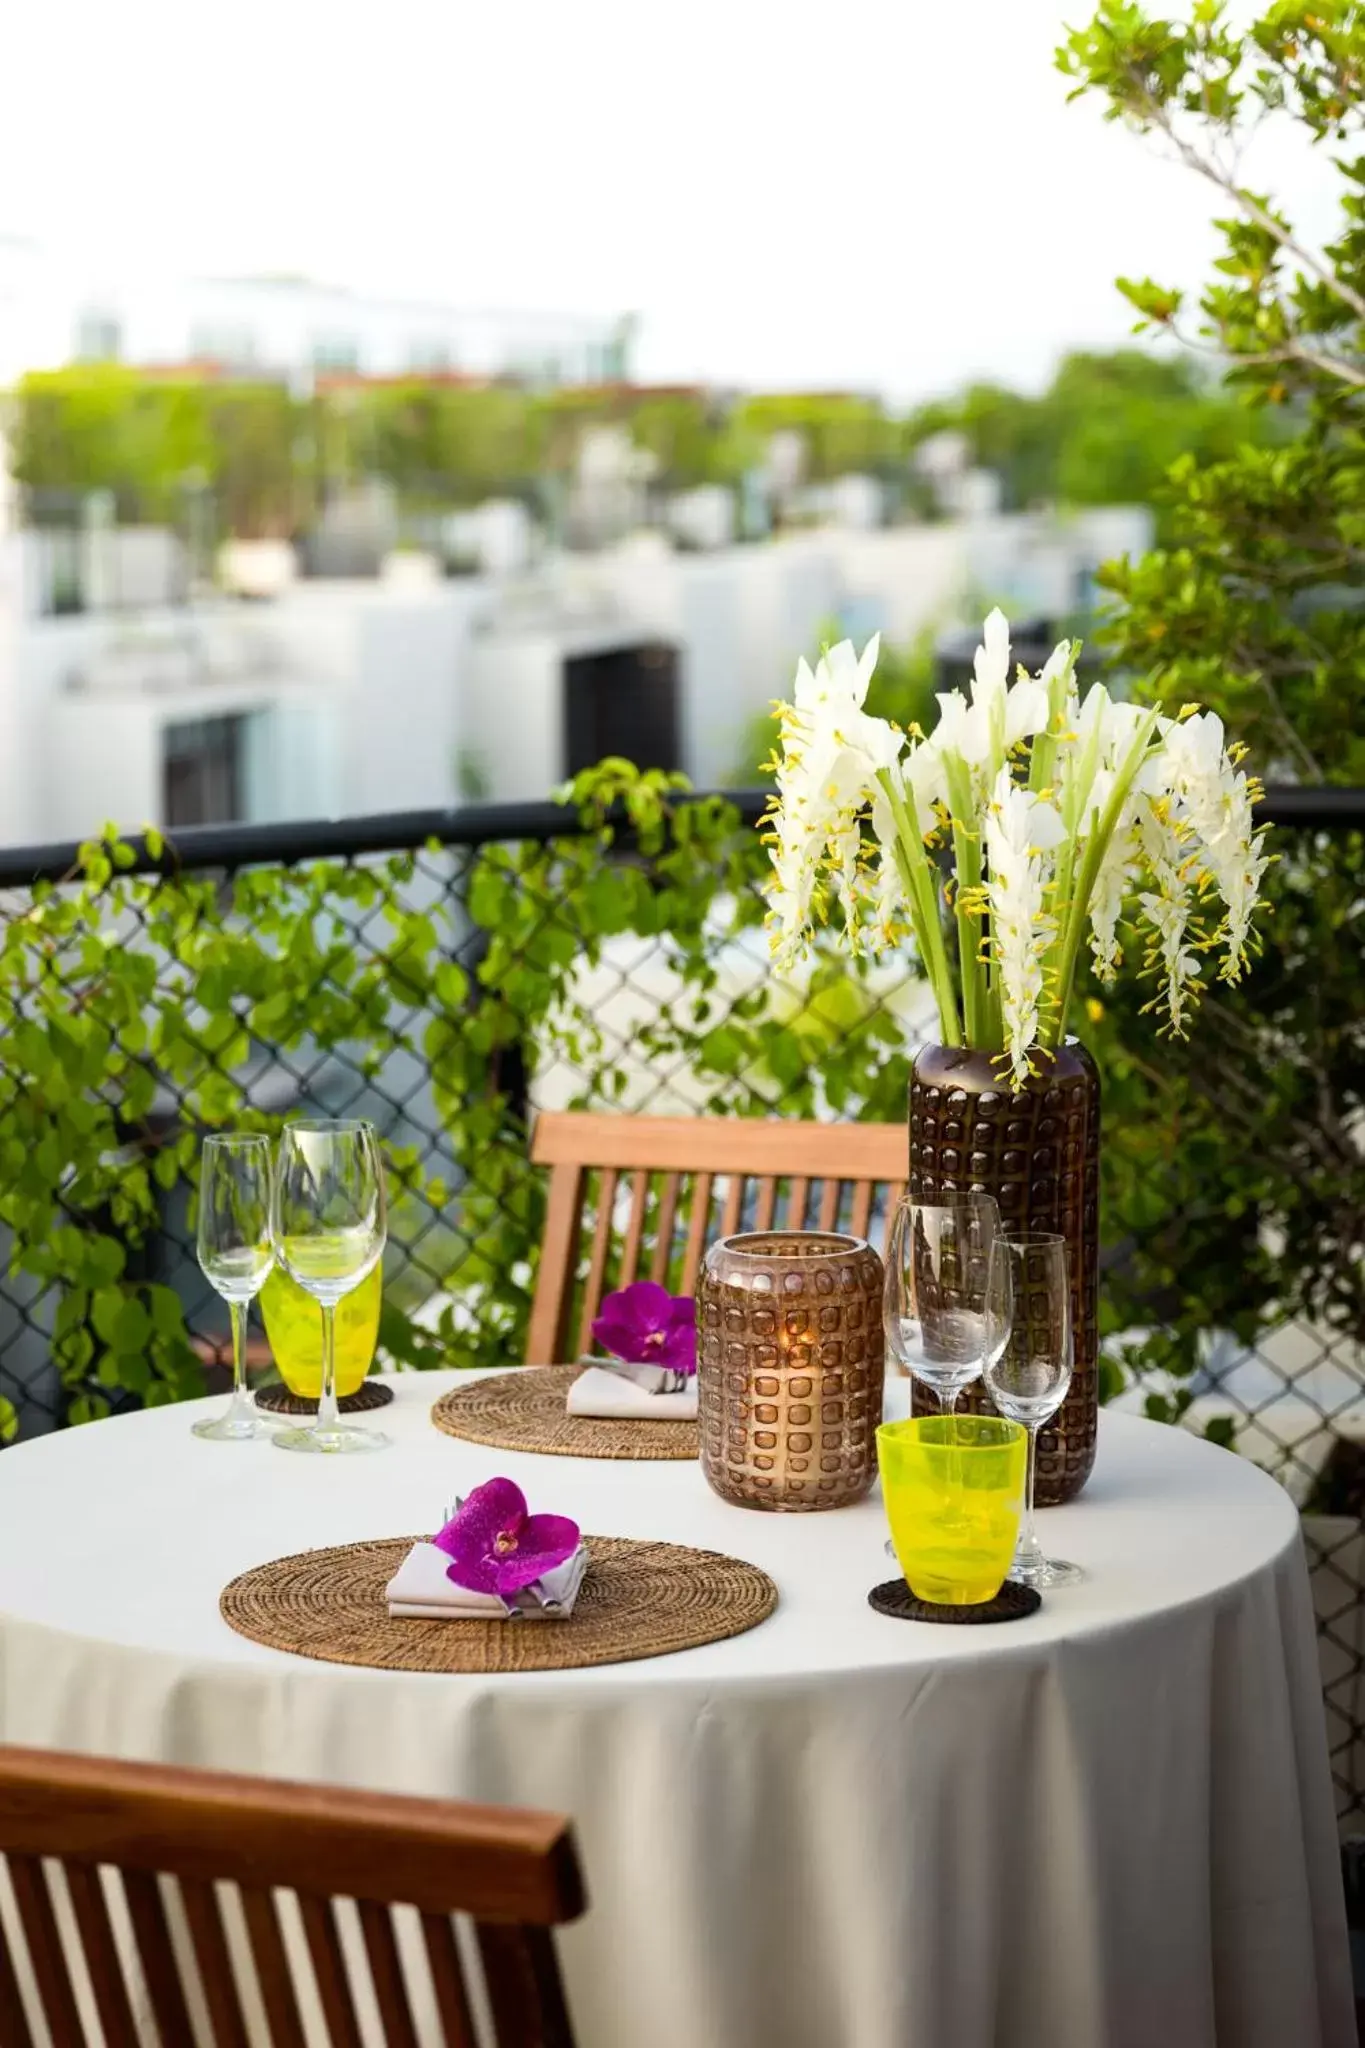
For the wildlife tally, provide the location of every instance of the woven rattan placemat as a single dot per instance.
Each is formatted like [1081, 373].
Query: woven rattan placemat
[638, 1600]
[523, 1410]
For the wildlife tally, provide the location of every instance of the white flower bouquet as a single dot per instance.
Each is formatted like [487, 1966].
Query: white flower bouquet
[1030, 816]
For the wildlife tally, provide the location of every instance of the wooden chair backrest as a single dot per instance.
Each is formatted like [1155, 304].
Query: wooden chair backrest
[659, 1189]
[170, 1840]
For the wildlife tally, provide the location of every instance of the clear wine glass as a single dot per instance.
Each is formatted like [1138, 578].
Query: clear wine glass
[934, 1302]
[937, 1262]
[236, 1254]
[327, 1220]
[1028, 1366]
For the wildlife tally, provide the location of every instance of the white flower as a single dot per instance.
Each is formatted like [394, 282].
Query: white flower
[1168, 907]
[926, 778]
[998, 717]
[1214, 799]
[832, 753]
[829, 705]
[954, 733]
[1021, 830]
[1117, 870]
[992, 664]
[889, 889]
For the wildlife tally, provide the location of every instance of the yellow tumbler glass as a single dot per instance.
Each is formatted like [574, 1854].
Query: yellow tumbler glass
[293, 1323]
[953, 1486]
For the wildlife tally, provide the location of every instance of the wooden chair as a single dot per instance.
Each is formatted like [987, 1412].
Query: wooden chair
[667, 1186]
[171, 1840]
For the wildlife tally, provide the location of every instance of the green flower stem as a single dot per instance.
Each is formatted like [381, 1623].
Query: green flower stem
[1094, 854]
[967, 854]
[921, 889]
[993, 1037]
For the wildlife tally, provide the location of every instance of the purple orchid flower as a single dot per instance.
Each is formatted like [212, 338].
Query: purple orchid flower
[644, 1324]
[497, 1547]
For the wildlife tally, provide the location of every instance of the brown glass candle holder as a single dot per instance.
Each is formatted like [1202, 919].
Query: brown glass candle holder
[789, 1368]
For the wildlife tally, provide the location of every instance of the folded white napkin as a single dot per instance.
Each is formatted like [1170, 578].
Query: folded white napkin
[599, 1390]
[419, 1590]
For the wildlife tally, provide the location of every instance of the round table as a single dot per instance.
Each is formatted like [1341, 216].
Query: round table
[1109, 1826]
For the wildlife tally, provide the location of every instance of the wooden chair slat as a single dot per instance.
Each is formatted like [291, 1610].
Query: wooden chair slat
[635, 1228]
[734, 1206]
[665, 1222]
[547, 1334]
[597, 1266]
[510, 1984]
[766, 1205]
[91, 1911]
[329, 1971]
[12, 2012]
[447, 1981]
[164, 1989]
[386, 1971]
[272, 1968]
[797, 1199]
[556, 2029]
[862, 1208]
[216, 1975]
[895, 1195]
[696, 1231]
[39, 1922]
[829, 1204]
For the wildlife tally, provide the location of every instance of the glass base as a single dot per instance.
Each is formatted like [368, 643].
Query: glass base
[345, 1437]
[1040, 1573]
[238, 1426]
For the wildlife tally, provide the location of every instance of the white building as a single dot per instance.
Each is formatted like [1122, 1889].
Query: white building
[121, 701]
[57, 309]
[723, 629]
[334, 699]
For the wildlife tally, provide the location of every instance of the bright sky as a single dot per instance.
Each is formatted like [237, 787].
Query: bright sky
[867, 193]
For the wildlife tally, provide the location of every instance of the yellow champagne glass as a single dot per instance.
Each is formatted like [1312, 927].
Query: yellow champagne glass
[953, 1486]
[291, 1324]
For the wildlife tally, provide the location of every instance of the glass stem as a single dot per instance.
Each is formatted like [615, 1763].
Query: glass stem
[1028, 1535]
[241, 1400]
[329, 1416]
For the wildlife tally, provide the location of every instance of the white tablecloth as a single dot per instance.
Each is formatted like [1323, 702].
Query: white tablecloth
[1106, 1827]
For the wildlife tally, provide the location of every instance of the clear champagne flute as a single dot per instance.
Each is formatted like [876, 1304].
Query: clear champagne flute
[328, 1224]
[236, 1255]
[1028, 1366]
[934, 1301]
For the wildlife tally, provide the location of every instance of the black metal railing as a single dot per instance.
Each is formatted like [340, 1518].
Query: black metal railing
[1233, 1188]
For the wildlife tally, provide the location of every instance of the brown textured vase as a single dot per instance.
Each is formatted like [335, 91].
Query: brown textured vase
[789, 1368]
[1038, 1153]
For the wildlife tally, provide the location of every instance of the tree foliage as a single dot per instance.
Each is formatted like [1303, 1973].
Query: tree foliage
[1106, 431]
[1259, 596]
[1255, 605]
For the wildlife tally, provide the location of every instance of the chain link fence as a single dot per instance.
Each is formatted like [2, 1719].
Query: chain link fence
[448, 974]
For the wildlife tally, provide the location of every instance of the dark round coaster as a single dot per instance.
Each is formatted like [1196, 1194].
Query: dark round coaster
[276, 1399]
[1011, 1603]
